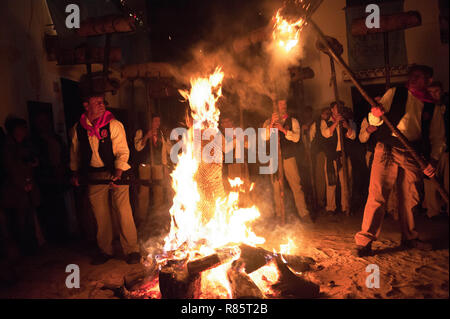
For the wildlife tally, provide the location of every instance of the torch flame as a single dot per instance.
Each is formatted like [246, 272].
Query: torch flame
[286, 35]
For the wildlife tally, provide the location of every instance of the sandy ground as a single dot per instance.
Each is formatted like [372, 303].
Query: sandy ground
[403, 273]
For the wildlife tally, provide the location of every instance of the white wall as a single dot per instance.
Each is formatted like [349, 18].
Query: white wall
[26, 74]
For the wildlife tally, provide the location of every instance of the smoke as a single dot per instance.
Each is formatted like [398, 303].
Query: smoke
[255, 76]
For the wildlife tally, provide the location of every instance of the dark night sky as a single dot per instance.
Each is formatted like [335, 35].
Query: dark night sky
[188, 22]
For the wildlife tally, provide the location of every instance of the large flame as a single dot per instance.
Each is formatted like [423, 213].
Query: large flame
[192, 237]
[229, 223]
[203, 97]
[286, 34]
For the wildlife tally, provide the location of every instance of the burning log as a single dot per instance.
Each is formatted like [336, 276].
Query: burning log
[221, 256]
[255, 258]
[202, 264]
[179, 279]
[175, 282]
[242, 286]
[293, 286]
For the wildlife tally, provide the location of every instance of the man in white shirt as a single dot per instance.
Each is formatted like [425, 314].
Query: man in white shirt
[289, 134]
[329, 130]
[99, 151]
[154, 167]
[411, 110]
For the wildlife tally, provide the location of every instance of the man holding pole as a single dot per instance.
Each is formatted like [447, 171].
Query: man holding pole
[411, 110]
[334, 170]
[154, 167]
[289, 134]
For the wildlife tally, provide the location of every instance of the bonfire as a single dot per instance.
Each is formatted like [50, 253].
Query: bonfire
[211, 250]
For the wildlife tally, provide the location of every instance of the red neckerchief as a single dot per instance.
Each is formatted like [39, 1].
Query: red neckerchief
[423, 96]
[94, 130]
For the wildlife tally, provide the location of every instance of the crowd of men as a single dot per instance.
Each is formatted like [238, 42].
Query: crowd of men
[317, 161]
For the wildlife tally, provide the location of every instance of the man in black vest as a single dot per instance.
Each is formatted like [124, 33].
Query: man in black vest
[155, 148]
[289, 134]
[99, 151]
[411, 109]
[334, 172]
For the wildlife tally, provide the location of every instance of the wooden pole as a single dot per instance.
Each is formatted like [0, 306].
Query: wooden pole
[106, 58]
[344, 182]
[280, 172]
[387, 67]
[420, 161]
[308, 147]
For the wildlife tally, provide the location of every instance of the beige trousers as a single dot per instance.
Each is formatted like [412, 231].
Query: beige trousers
[399, 169]
[293, 178]
[433, 201]
[331, 189]
[99, 200]
[392, 204]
